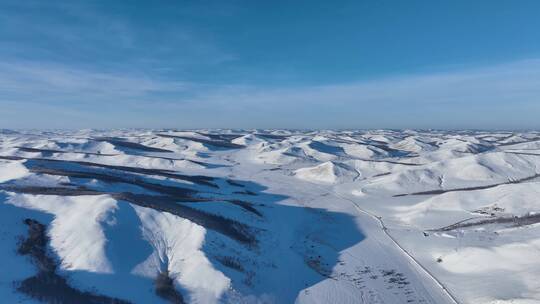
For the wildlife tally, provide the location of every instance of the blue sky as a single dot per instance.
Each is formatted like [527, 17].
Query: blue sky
[270, 64]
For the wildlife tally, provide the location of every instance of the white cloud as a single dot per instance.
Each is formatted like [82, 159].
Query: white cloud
[30, 82]
[505, 96]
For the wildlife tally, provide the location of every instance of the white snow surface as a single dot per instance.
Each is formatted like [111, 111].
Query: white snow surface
[11, 170]
[76, 231]
[176, 244]
[276, 216]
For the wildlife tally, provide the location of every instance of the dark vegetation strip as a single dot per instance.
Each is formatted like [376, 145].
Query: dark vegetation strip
[130, 145]
[346, 141]
[164, 287]
[246, 206]
[272, 136]
[245, 192]
[230, 262]
[43, 162]
[167, 200]
[207, 165]
[441, 191]
[47, 285]
[497, 139]
[231, 228]
[60, 191]
[519, 142]
[12, 158]
[517, 221]
[524, 153]
[197, 179]
[180, 194]
[215, 143]
[393, 152]
[388, 161]
[228, 227]
[36, 150]
[234, 183]
[221, 137]
[384, 146]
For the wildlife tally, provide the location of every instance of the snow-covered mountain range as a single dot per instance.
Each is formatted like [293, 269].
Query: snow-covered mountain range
[269, 216]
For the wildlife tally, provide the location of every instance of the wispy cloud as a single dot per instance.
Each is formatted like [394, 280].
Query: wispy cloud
[517, 82]
[480, 97]
[437, 99]
[32, 82]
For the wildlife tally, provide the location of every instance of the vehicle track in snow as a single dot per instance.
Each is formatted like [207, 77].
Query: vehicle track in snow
[384, 228]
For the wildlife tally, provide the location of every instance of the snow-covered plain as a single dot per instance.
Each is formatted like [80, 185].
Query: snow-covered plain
[269, 216]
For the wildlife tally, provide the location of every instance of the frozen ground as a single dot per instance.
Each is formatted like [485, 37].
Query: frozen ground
[273, 216]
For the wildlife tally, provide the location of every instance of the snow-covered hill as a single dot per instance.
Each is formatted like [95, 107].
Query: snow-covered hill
[269, 216]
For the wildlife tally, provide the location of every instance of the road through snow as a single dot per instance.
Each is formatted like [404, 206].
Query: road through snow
[379, 250]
